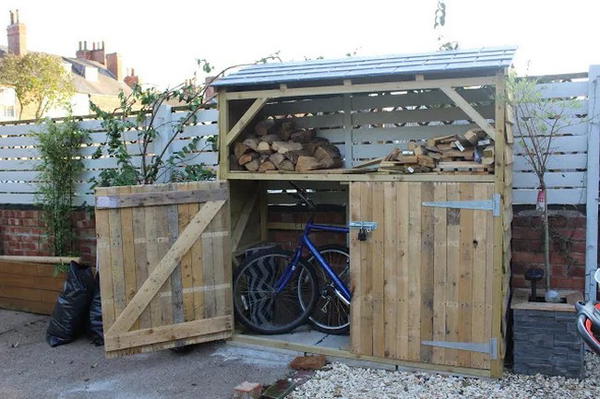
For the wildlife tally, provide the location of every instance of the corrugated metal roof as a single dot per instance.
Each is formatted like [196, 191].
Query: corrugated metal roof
[363, 67]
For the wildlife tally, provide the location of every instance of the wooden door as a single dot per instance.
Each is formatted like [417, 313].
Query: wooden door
[423, 279]
[164, 260]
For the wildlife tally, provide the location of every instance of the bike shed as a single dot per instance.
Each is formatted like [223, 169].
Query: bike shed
[430, 283]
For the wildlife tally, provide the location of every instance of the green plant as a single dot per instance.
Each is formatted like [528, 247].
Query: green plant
[60, 170]
[439, 24]
[140, 111]
[38, 79]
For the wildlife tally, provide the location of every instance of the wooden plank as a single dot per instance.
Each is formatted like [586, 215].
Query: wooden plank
[470, 111]
[439, 273]
[117, 261]
[361, 88]
[177, 308]
[377, 270]
[452, 270]
[564, 196]
[565, 179]
[403, 201]
[160, 198]
[197, 270]
[104, 266]
[555, 163]
[163, 237]
[165, 267]
[421, 115]
[187, 282]
[421, 98]
[40, 259]
[427, 271]
[242, 221]
[404, 134]
[565, 144]
[356, 266]
[129, 265]
[414, 274]
[478, 288]
[152, 258]
[245, 119]
[391, 269]
[337, 177]
[465, 273]
[366, 276]
[141, 258]
[168, 333]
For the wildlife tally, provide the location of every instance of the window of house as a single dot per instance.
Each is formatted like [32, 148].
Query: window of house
[7, 111]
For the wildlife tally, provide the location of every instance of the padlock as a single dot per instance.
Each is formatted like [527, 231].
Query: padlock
[362, 234]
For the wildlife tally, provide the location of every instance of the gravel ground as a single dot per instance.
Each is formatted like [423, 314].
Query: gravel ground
[340, 381]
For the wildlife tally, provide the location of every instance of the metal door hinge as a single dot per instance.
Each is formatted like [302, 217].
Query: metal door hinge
[489, 348]
[483, 205]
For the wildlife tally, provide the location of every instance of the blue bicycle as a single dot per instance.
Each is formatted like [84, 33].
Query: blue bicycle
[276, 290]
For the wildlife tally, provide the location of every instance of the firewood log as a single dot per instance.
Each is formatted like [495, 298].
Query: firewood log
[286, 129]
[328, 156]
[233, 163]
[271, 138]
[253, 165]
[263, 127]
[247, 157]
[264, 147]
[285, 146]
[276, 159]
[251, 142]
[286, 164]
[426, 161]
[306, 163]
[392, 155]
[267, 165]
[303, 136]
[294, 155]
[240, 149]
[315, 143]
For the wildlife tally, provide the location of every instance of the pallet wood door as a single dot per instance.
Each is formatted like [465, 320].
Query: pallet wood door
[164, 260]
[423, 279]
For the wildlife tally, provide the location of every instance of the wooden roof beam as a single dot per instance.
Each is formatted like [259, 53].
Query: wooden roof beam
[245, 119]
[470, 111]
[362, 88]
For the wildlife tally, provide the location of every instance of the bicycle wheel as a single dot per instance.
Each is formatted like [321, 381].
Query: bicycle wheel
[330, 314]
[257, 304]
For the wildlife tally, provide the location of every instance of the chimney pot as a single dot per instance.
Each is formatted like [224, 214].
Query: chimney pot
[16, 35]
[17, 15]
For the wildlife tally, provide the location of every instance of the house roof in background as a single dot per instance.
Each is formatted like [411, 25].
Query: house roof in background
[105, 85]
[447, 62]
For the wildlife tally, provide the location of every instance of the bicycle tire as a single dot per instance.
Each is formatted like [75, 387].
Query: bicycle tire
[323, 315]
[263, 315]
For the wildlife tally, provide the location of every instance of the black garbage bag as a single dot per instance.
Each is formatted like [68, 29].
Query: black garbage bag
[94, 327]
[71, 311]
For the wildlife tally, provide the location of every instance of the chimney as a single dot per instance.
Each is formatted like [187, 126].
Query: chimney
[113, 64]
[17, 35]
[210, 90]
[95, 54]
[132, 79]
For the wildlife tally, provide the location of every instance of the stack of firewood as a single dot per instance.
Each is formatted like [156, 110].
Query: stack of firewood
[467, 152]
[278, 145]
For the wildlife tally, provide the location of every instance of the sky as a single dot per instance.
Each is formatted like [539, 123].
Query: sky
[163, 39]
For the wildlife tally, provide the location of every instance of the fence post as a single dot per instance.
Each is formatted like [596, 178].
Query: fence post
[164, 129]
[593, 164]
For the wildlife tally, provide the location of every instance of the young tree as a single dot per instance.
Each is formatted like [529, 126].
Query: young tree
[39, 81]
[538, 121]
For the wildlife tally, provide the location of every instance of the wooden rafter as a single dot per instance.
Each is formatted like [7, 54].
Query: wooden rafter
[165, 267]
[362, 88]
[470, 111]
[245, 119]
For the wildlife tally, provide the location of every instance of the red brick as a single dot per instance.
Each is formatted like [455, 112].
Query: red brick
[573, 234]
[527, 257]
[568, 283]
[525, 233]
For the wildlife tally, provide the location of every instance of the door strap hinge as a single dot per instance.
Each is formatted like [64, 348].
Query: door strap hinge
[483, 205]
[366, 226]
[490, 348]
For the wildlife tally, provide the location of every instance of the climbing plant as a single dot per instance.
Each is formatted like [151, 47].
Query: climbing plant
[60, 171]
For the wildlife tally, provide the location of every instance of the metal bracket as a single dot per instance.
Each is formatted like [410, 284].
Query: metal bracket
[484, 205]
[366, 226]
[489, 348]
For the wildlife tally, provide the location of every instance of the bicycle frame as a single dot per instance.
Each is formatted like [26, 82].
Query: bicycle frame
[341, 290]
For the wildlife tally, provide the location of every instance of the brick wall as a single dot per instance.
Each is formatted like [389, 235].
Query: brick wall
[567, 253]
[23, 232]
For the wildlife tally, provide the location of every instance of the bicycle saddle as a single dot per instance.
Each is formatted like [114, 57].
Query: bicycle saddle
[588, 324]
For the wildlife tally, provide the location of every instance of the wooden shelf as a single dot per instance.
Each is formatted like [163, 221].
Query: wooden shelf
[322, 175]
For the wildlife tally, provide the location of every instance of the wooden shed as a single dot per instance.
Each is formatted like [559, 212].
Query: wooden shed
[438, 296]
[430, 283]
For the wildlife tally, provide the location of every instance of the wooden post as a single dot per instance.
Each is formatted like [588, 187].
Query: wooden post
[165, 131]
[223, 107]
[264, 211]
[591, 236]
